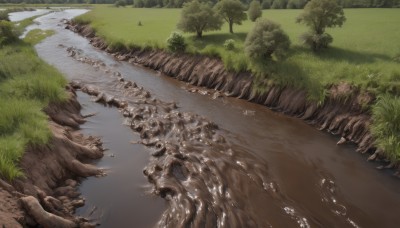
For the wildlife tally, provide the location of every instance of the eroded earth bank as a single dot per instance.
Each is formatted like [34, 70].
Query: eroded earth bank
[48, 194]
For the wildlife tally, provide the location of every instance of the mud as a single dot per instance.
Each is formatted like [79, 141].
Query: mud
[343, 112]
[48, 194]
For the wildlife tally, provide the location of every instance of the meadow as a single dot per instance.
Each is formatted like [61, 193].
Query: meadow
[27, 86]
[362, 52]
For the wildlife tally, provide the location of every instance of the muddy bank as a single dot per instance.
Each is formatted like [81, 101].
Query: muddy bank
[343, 113]
[47, 196]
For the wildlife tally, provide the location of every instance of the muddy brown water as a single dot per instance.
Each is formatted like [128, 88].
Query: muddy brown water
[228, 163]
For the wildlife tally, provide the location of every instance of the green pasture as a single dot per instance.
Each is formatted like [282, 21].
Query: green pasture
[362, 52]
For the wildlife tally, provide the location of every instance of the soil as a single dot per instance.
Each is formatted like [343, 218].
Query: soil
[47, 196]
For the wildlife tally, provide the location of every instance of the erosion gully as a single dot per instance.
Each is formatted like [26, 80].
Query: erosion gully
[209, 161]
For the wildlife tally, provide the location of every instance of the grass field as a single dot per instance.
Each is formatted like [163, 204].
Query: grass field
[362, 52]
[27, 85]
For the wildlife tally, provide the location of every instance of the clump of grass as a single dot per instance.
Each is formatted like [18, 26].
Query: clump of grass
[35, 36]
[386, 125]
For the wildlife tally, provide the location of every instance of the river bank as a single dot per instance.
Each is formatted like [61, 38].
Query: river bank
[48, 194]
[344, 112]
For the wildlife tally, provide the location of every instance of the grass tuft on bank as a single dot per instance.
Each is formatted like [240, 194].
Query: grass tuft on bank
[27, 86]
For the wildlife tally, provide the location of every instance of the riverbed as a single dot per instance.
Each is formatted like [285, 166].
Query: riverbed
[269, 169]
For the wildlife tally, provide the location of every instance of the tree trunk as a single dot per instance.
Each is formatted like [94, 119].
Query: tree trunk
[231, 26]
[199, 34]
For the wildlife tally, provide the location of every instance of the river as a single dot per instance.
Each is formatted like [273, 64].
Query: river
[269, 170]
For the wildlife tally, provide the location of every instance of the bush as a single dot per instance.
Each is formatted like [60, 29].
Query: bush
[386, 126]
[4, 15]
[396, 57]
[254, 11]
[266, 40]
[316, 41]
[120, 3]
[176, 42]
[266, 4]
[229, 44]
[8, 33]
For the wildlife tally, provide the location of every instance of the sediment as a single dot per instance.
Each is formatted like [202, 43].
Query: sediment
[47, 195]
[343, 113]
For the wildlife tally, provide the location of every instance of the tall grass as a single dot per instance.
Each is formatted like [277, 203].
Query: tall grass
[27, 85]
[386, 126]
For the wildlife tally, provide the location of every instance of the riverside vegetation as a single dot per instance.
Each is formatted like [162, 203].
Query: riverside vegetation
[364, 54]
[27, 86]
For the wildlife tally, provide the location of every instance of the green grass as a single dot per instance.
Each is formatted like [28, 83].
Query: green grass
[27, 85]
[362, 52]
[35, 36]
[386, 127]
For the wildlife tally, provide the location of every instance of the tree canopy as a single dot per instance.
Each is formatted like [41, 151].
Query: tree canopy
[319, 15]
[232, 11]
[254, 11]
[266, 40]
[198, 17]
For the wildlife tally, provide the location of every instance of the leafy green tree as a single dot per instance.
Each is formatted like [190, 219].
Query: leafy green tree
[254, 11]
[198, 17]
[232, 11]
[266, 41]
[319, 15]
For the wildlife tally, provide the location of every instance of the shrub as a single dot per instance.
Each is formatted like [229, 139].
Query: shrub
[396, 57]
[8, 33]
[386, 125]
[229, 44]
[176, 42]
[266, 40]
[266, 4]
[120, 3]
[316, 41]
[138, 3]
[254, 11]
[4, 15]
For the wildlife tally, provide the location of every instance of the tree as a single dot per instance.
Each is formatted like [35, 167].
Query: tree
[120, 3]
[254, 10]
[319, 15]
[232, 11]
[266, 40]
[198, 17]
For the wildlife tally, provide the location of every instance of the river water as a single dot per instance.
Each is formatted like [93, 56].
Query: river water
[269, 170]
